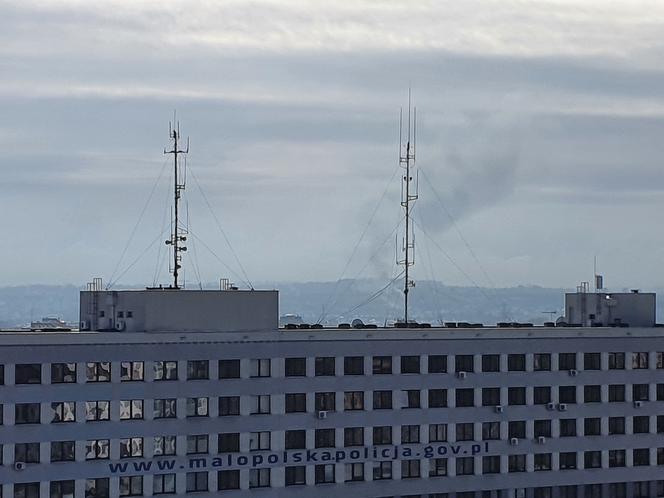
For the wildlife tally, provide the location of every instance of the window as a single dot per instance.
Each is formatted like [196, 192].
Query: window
[259, 441]
[516, 362]
[324, 438]
[640, 392]
[63, 411]
[295, 475]
[324, 474]
[228, 479]
[97, 410]
[437, 398]
[2, 375]
[660, 359]
[660, 424]
[592, 361]
[411, 398]
[567, 460]
[198, 370]
[592, 459]
[382, 365]
[97, 449]
[98, 371]
[567, 394]
[354, 365]
[131, 371]
[382, 400]
[26, 490]
[410, 469]
[465, 466]
[197, 481]
[542, 461]
[542, 362]
[63, 373]
[567, 427]
[516, 429]
[463, 363]
[592, 491]
[639, 361]
[542, 395]
[354, 400]
[259, 478]
[592, 426]
[616, 458]
[163, 484]
[199, 407]
[617, 361]
[641, 457]
[437, 363]
[165, 408]
[410, 364]
[229, 442]
[295, 402]
[516, 463]
[616, 393]
[410, 434]
[566, 361]
[490, 363]
[165, 370]
[490, 431]
[516, 395]
[660, 456]
[465, 431]
[465, 397]
[229, 369]
[131, 447]
[96, 488]
[616, 425]
[259, 367]
[26, 452]
[61, 489]
[164, 445]
[197, 444]
[437, 433]
[354, 472]
[324, 366]
[382, 470]
[295, 367]
[437, 467]
[63, 451]
[491, 465]
[295, 439]
[325, 401]
[354, 436]
[229, 405]
[27, 373]
[131, 485]
[382, 435]
[592, 394]
[660, 392]
[27, 413]
[131, 409]
[490, 396]
[641, 424]
[542, 428]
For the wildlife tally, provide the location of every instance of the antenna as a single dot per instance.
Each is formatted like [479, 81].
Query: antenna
[178, 234]
[409, 194]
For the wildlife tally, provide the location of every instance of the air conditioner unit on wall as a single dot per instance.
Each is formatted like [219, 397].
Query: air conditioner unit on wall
[550, 406]
[573, 373]
[461, 375]
[562, 407]
[541, 440]
[321, 414]
[498, 409]
[514, 441]
[19, 466]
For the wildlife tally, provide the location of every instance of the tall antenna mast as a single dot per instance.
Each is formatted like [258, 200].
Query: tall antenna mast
[409, 194]
[179, 179]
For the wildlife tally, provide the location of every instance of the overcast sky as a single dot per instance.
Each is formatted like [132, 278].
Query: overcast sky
[540, 131]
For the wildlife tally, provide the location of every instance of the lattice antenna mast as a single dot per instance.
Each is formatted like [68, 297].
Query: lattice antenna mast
[178, 234]
[409, 194]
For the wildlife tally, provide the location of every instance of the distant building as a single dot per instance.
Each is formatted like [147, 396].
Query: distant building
[607, 309]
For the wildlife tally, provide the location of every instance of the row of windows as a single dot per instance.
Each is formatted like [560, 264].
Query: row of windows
[31, 373]
[135, 409]
[325, 473]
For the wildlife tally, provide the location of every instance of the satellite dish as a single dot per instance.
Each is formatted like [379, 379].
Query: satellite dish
[357, 323]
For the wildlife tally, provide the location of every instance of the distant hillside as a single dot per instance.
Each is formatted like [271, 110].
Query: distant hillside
[337, 302]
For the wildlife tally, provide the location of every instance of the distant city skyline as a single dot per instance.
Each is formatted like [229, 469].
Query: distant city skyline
[540, 128]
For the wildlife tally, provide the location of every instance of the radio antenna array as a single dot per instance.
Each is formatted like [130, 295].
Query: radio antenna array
[178, 234]
[409, 194]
